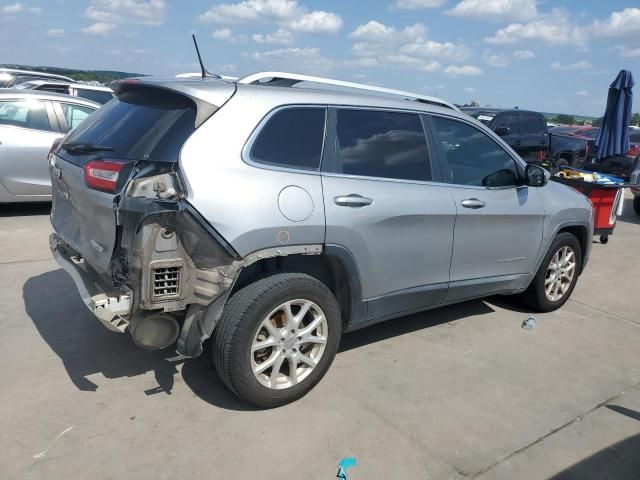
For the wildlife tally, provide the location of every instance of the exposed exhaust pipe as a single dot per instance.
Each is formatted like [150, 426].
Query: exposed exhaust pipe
[154, 330]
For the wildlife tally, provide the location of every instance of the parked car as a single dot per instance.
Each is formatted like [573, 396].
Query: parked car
[95, 93]
[578, 150]
[524, 131]
[635, 180]
[29, 124]
[11, 77]
[273, 219]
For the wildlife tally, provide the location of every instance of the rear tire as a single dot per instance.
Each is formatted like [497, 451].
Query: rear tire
[636, 204]
[284, 312]
[557, 276]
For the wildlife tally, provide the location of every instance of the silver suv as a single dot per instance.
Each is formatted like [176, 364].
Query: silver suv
[274, 218]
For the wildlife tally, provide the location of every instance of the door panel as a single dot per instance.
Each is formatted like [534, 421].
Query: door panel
[502, 237]
[23, 160]
[534, 138]
[401, 240]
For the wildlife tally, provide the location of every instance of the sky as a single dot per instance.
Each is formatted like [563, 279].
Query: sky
[551, 56]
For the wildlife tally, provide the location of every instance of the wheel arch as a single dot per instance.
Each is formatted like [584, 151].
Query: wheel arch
[335, 267]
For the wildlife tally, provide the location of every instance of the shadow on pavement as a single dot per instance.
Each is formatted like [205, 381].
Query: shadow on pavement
[24, 209]
[620, 461]
[87, 348]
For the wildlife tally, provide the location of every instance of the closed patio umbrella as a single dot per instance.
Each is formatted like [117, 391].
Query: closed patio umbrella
[613, 137]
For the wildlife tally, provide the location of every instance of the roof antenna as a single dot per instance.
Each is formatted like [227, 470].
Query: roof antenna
[205, 73]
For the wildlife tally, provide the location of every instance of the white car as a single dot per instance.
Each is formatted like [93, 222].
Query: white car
[95, 93]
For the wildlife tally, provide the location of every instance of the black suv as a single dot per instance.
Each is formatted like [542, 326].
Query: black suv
[525, 131]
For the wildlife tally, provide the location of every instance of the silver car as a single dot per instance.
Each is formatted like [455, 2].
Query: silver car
[29, 124]
[11, 77]
[95, 93]
[273, 217]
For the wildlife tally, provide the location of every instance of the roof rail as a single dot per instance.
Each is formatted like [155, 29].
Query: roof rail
[283, 79]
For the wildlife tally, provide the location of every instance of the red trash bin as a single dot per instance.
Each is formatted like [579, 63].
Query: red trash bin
[605, 199]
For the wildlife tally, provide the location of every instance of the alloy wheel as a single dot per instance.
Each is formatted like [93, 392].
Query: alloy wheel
[289, 344]
[560, 273]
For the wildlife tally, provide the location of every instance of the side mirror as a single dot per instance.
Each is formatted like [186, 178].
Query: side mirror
[536, 176]
[503, 131]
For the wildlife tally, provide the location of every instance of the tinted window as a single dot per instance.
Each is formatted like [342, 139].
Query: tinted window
[634, 138]
[505, 120]
[26, 114]
[531, 124]
[94, 95]
[142, 124]
[75, 114]
[473, 157]
[382, 144]
[291, 138]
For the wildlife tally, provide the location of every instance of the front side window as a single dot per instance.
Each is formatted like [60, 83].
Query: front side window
[507, 120]
[292, 138]
[381, 144]
[75, 114]
[24, 113]
[472, 156]
[531, 124]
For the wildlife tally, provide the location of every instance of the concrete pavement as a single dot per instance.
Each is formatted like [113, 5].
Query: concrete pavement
[459, 392]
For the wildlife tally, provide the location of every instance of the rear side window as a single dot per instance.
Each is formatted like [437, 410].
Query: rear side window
[472, 156]
[508, 120]
[531, 124]
[142, 124]
[75, 114]
[381, 144]
[97, 96]
[293, 138]
[26, 114]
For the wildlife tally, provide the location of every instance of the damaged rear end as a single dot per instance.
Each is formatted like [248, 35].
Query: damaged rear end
[141, 256]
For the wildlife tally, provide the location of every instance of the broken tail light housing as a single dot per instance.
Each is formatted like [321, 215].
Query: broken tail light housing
[634, 151]
[102, 174]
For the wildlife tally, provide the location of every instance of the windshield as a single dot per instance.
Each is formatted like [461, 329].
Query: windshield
[140, 125]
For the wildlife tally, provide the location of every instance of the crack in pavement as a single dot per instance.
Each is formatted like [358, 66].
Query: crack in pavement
[617, 315]
[552, 432]
[28, 261]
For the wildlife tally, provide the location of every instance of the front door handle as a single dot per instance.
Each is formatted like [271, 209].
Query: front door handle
[472, 203]
[352, 200]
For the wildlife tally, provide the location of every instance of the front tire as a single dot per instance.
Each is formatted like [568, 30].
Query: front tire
[277, 338]
[557, 276]
[636, 204]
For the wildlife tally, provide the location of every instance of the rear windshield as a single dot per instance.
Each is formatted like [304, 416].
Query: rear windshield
[95, 95]
[148, 124]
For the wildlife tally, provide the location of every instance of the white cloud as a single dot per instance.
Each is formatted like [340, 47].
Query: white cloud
[469, 89]
[279, 37]
[524, 54]
[628, 51]
[226, 35]
[496, 10]
[582, 93]
[113, 13]
[619, 24]
[417, 4]
[304, 59]
[99, 28]
[379, 33]
[408, 47]
[55, 32]
[555, 28]
[495, 59]
[285, 13]
[468, 70]
[13, 8]
[581, 65]
[317, 22]
[35, 10]
[227, 68]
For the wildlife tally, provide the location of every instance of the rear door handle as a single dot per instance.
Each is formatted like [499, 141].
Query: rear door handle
[352, 200]
[472, 203]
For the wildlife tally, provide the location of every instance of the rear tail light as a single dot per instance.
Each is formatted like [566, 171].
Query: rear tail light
[102, 174]
[54, 147]
[634, 151]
